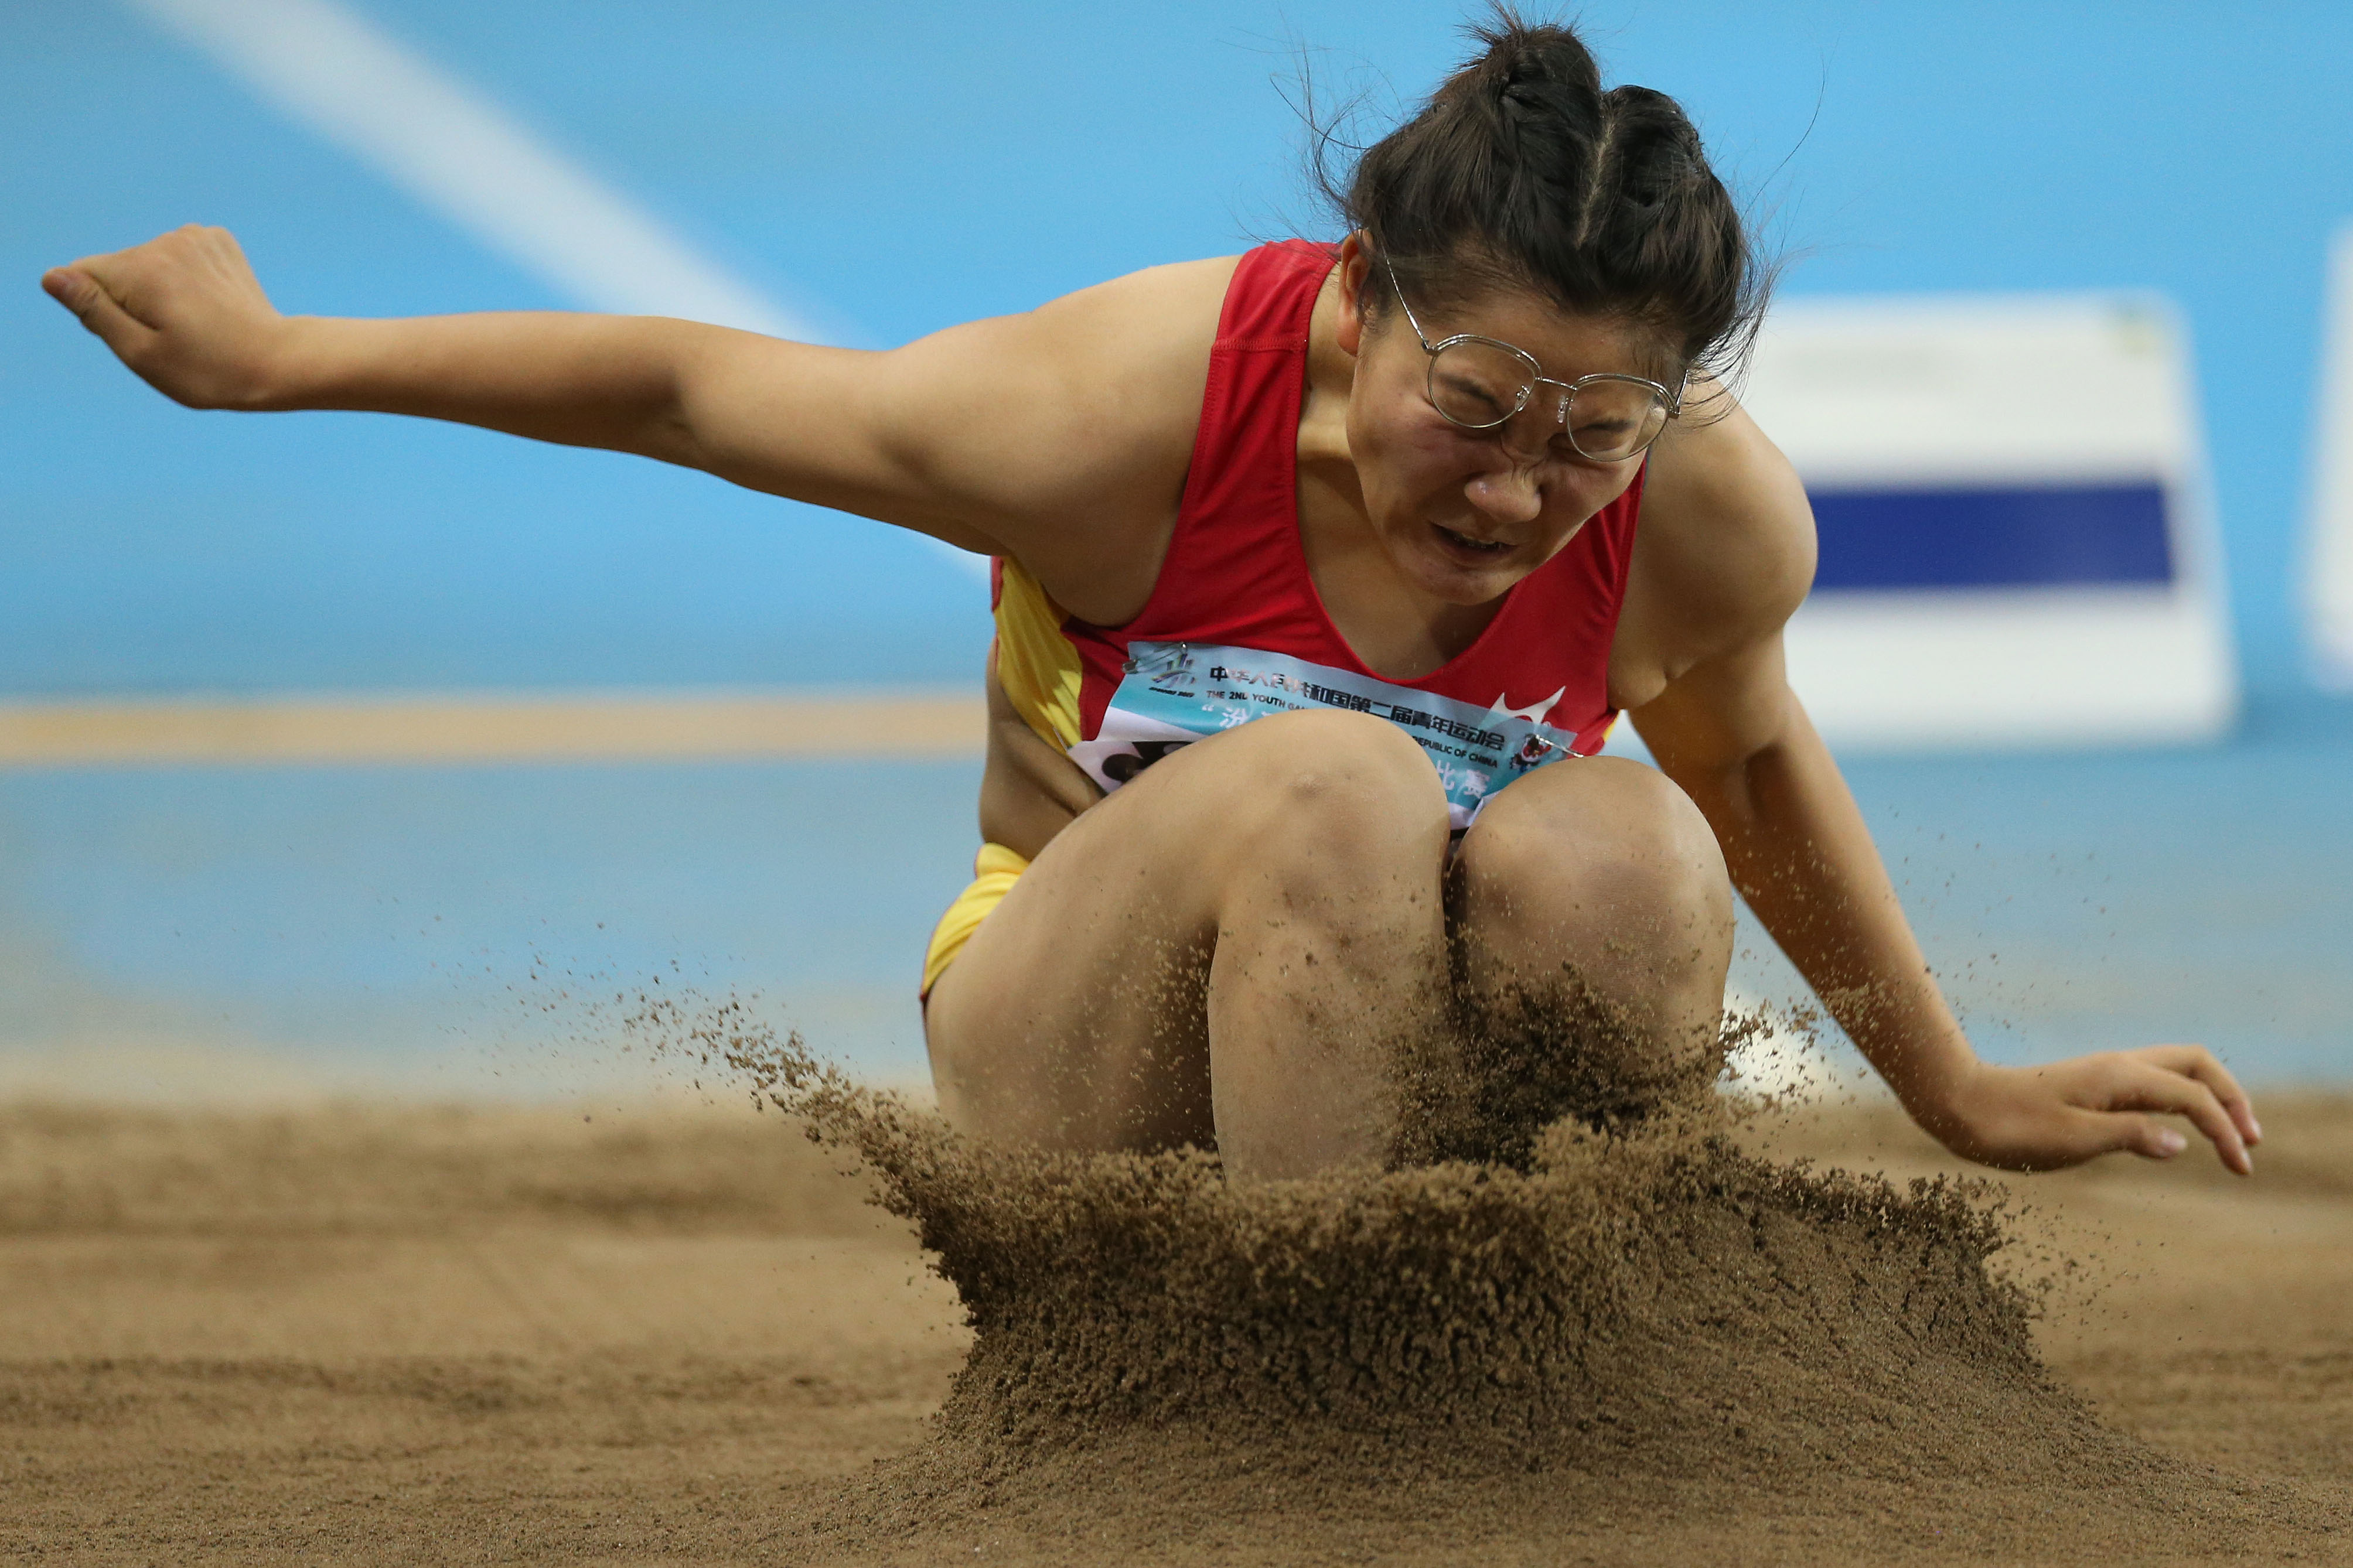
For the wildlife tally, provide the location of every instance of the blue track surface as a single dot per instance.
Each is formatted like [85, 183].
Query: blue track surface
[429, 927]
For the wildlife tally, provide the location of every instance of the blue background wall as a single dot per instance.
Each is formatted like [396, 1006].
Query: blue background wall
[906, 167]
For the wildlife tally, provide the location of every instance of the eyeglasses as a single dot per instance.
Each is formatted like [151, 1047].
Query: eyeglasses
[1481, 384]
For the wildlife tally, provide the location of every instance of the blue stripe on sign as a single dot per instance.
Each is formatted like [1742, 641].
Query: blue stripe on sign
[2027, 536]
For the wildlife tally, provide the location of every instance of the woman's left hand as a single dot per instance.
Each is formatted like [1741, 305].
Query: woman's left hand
[2043, 1118]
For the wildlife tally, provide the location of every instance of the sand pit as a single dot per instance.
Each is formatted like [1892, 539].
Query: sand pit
[387, 1334]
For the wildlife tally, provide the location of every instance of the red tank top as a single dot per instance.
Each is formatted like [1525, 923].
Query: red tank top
[1235, 629]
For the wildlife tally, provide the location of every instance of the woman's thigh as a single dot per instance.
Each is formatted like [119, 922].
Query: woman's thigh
[1079, 1014]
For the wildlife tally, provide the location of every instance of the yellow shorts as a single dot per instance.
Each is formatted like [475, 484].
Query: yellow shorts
[993, 872]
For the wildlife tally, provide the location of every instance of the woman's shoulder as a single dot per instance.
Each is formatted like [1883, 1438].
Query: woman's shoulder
[1175, 303]
[1133, 354]
[1724, 552]
[1065, 431]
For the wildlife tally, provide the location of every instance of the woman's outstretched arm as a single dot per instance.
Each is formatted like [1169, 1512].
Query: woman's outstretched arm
[1023, 434]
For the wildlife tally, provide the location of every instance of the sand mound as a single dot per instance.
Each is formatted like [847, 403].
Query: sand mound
[1650, 1303]
[1628, 1295]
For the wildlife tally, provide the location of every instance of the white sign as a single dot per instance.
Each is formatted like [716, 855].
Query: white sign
[2018, 537]
[2331, 581]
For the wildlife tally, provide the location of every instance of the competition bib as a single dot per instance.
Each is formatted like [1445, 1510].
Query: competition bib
[1173, 694]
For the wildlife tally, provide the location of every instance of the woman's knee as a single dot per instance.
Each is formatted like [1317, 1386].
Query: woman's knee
[1346, 790]
[1604, 844]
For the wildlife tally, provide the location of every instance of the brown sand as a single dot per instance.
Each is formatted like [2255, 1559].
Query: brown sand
[380, 1334]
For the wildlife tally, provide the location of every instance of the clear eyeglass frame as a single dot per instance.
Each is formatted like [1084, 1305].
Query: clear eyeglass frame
[1670, 400]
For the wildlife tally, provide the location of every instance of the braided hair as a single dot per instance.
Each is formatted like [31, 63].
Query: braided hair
[1523, 170]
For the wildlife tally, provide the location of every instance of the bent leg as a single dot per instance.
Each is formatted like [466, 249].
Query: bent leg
[1593, 925]
[1228, 948]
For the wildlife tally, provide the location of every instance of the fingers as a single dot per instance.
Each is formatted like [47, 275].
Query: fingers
[2198, 1062]
[2146, 1086]
[2067, 1112]
[2152, 1139]
[79, 290]
[76, 290]
[107, 290]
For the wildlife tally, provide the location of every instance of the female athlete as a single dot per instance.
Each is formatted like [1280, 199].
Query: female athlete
[1323, 572]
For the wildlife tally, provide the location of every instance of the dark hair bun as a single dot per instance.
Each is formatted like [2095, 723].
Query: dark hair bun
[1521, 170]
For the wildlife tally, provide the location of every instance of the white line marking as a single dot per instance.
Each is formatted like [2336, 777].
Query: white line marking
[465, 158]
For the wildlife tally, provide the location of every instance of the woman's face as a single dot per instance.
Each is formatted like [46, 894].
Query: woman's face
[1466, 514]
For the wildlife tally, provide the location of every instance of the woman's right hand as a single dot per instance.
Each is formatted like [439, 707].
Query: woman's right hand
[185, 312]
